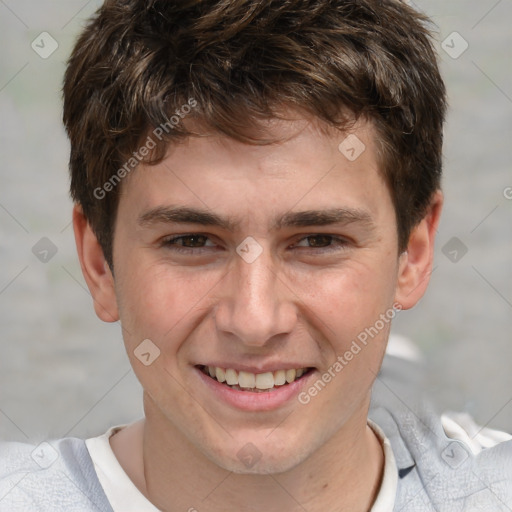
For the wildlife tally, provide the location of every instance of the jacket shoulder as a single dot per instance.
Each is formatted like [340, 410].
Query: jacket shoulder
[56, 475]
[440, 468]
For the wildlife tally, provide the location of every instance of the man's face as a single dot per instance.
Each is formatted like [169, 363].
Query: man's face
[275, 290]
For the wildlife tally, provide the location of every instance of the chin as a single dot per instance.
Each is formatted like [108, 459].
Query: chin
[249, 460]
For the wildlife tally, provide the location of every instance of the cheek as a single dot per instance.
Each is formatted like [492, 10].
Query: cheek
[347, 310]
[349, 300]
[161, 304]
[353, 312]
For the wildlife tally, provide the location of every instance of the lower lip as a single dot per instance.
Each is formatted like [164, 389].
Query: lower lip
[253, 401]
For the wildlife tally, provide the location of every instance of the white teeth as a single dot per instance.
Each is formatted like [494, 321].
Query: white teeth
[290, 375]
[246, 379]
[219, 373]
[231, 377]
[252, 381]
[279, 377]
[265, 380]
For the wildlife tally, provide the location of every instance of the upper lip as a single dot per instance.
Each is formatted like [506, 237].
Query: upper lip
[258, 369]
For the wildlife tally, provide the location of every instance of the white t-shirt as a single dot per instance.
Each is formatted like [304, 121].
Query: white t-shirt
[124, 496]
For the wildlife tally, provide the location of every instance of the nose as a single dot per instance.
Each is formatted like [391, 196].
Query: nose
[256, 304]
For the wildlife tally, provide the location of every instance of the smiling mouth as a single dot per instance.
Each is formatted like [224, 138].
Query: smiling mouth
[254, 382]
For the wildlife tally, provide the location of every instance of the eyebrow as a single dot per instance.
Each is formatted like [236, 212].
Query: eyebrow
[187, 215]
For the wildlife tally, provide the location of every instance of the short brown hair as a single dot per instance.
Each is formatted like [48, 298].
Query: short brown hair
[240, 61]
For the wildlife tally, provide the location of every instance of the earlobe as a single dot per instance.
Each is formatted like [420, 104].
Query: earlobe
[415, 264]
[95, 269]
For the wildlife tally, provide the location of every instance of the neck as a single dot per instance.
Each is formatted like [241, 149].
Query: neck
[344, 475]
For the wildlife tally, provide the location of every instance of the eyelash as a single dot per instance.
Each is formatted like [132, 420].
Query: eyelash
[170, 243]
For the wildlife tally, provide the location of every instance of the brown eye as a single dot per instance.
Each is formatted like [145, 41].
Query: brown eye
[190, 243]
[327, 242]
[319, 240]
[188, 240]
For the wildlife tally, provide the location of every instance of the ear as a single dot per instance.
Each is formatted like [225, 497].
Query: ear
[415, 264]
[95, 269]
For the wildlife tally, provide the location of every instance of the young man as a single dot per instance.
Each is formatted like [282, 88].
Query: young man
[257, 192]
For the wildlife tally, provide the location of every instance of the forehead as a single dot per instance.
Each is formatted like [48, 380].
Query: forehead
[291, 135]
[310, 164]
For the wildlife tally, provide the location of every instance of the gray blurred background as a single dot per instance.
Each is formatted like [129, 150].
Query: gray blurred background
[64, 372]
